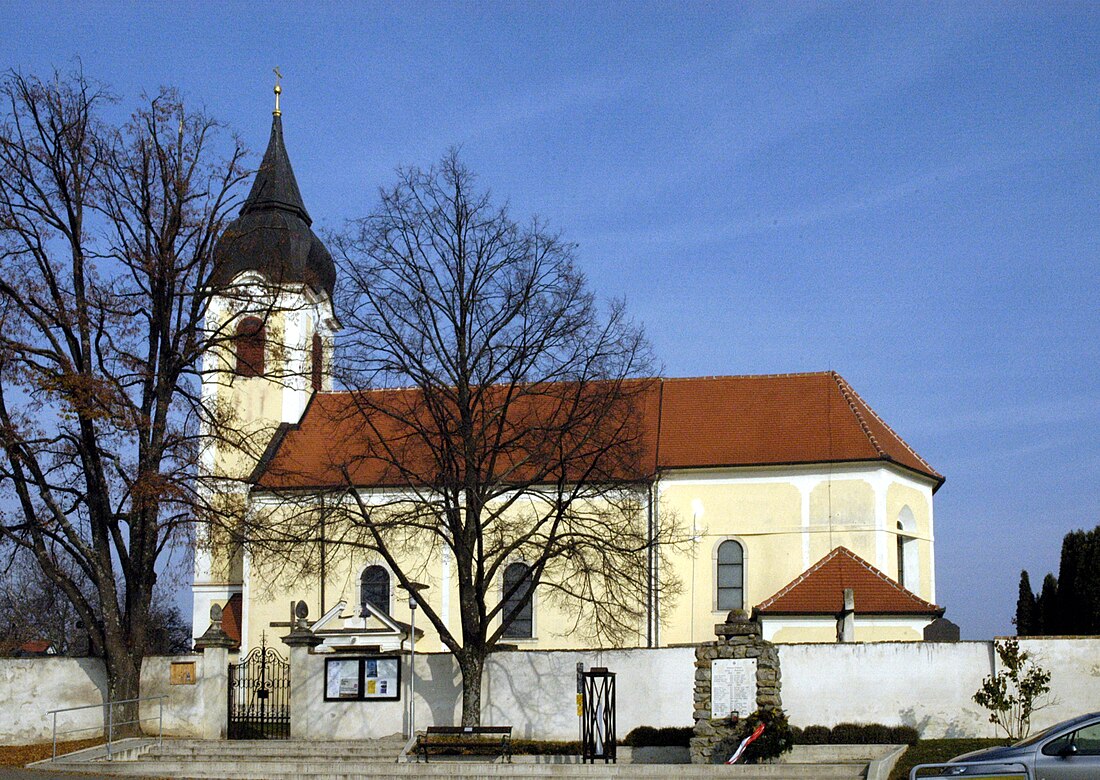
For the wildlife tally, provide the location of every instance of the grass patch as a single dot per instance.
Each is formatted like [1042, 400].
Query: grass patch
[935, 751]
[21, 755]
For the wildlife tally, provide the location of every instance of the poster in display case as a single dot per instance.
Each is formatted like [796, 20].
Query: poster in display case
[374, 678]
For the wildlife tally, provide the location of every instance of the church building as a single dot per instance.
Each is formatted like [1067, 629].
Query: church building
[791, 488]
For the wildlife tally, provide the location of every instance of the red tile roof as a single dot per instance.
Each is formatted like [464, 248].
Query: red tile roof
[706, 422]
[820, 590]
[231, 618]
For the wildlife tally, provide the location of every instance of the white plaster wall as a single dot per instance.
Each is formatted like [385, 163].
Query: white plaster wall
[1074, 666]
[29, 687]
[183, 709]
[927, 685]
[536, 691]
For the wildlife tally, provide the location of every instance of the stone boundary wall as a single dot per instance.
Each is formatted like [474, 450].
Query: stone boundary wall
[923, 684]
[927, 685]
[30, 687]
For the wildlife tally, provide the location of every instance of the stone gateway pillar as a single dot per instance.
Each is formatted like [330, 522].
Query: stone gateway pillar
[739, 674]
[215, 645]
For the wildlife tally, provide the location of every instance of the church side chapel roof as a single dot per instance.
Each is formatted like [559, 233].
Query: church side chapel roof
[272, 235]
[696, 423]
[820, 590]
[231, 617]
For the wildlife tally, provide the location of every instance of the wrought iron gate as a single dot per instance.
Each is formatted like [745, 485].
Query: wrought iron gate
[259, 695]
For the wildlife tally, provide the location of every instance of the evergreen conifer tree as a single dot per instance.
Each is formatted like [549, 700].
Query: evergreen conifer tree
[1070, 609]
[1026, 608]
[1047, 622]
[1088, 583]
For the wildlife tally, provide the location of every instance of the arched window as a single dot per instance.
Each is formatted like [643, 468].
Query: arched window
[908, 553]
[374, 590]
[317, 361]
[901, 554]
[249, 344]
[731, 576]
[518, 575]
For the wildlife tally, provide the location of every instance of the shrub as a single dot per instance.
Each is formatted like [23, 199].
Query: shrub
[1014, 694]
[855, 734]
[667, 736]
[772, 743]
[811, 735]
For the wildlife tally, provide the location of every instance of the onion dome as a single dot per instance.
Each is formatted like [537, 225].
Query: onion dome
[272, 234]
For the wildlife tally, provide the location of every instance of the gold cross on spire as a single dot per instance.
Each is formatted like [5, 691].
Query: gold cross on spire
[278, 90]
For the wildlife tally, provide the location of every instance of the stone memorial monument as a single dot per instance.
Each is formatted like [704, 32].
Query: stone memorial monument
[734, 676]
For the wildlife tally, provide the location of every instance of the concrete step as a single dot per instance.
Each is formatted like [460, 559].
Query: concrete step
[245, 769]
[303, 752]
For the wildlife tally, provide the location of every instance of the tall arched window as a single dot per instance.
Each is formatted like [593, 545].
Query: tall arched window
[374, 589]
[908, 553]
[317, 361]
[518, 575]
[901, 554]
[731, 575]
[249, 346]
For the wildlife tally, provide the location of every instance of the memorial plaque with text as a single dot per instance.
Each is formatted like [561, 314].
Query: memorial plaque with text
[732, 686]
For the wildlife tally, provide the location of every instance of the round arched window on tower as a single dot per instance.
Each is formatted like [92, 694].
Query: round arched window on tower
[249, 343]
[317, 362]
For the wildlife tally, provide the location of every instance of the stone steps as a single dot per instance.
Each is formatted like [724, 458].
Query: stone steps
[378, 760]
[186, 750]
[245, 768]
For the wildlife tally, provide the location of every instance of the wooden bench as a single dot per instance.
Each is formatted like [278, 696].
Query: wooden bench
[483, 740]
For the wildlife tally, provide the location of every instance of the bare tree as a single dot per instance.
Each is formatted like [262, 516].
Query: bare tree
[106, 239]
[499, 420]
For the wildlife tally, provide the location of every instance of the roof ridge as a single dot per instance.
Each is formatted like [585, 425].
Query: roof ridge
[834, 553]
[884, 424]
[779, 375]
[847, 391]
[891, 582]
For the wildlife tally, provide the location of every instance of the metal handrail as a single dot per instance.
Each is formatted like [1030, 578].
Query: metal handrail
[110, 705]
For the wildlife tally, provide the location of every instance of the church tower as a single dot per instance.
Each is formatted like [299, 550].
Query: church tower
[271, 325]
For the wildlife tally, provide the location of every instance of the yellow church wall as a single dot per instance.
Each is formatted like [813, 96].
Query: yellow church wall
[842, 514]
[764, 517]
[782, 525]
[273, 585]
[900, 496]
[869, 628]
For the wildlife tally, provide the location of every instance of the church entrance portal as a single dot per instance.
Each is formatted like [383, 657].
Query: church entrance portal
[259, 696]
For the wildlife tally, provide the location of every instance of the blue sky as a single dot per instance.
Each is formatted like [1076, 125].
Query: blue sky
[906, 193]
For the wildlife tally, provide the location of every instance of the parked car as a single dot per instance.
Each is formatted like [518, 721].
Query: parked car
[1069, 750]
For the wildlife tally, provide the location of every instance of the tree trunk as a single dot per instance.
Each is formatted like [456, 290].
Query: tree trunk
[123, 683]
[472, 665]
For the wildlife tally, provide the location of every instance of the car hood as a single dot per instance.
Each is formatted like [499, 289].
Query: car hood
[1005, 753]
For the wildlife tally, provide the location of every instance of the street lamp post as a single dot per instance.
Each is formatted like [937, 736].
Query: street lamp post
[412, 588]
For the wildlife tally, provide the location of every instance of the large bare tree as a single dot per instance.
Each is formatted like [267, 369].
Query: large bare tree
[106, 240]
[496, 419]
